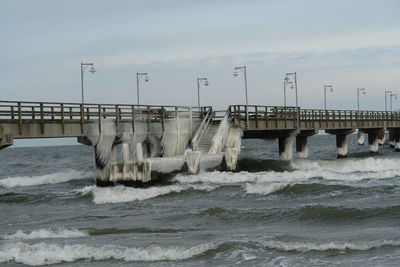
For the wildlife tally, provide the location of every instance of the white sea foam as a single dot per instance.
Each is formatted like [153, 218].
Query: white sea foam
[45, 233]
[305, 170]
[217, 177]
[53, 178]
[264, 188]
[44, 254]
[349, 165]
[117, 194]
[306, 246]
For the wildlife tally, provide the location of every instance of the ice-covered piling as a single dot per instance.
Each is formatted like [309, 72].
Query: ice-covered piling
[381, 137]
[391, 138]
[302, 146]
[193, 162]
[396, 136]
[373, 141]
[341, 144]
[360, 137]
[285, 144]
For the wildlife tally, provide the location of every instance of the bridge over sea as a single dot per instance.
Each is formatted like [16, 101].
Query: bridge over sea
[135, 143]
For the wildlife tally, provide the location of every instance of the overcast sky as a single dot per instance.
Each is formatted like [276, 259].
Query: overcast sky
[348, 44]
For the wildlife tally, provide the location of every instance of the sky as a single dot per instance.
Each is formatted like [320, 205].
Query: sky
[349, 44]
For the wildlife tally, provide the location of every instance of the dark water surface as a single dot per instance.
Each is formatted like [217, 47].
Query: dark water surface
[316, 212]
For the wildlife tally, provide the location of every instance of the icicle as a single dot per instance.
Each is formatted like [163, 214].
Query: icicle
[219, 139]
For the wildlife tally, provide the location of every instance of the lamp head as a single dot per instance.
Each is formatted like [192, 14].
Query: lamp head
[235, 73]
[331, 88]
[92, 70]
[286, 78]
[146, 78]
[206, 82]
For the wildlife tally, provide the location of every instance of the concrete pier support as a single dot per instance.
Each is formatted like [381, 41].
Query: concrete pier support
[381, 137]
[391, 138]
[341, 144]
[396, 136]
[360, 137]
[373, 141]
[341, 141]
[302, 146]
[285, 147]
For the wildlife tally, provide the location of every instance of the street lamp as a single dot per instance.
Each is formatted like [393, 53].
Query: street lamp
[284, 91]
[236, 73]
[146, 78]
[289, 76]
[392, 95]
[358, 96]
[326, 87]
[91, 70]
[386, 93]
[199, 82]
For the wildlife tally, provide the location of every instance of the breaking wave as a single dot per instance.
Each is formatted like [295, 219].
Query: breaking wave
[44, 254]
[264, 189]
[345, 246]
[118, 194]
[53, 178]
[349, 165]
[45, 233]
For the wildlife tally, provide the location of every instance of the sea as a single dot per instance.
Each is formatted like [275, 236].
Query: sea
[320, 211]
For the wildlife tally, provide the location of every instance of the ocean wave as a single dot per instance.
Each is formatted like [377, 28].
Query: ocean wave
[118, 194]
[348, 165]
[334, 214]
[45, 254]
[217, 177]
[264, 189]
[286, 177]
[345, 246]
[12, 197]
[315, 213]
[53, 178]
[45, 233]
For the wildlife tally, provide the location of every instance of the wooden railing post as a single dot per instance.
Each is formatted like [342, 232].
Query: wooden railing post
[256, 117]
[148, 118]
[62, 118]
[82, 117]
[133, 118]
[162, 118]
[41, 119]
[266, 117]
[99, 114]
[117, 115]
[19, 118]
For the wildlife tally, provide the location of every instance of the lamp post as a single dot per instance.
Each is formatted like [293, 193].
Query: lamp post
[284, 91]
[392, 95]
[236, 73]
[146, 78]
[293, 75]
[358, 96]
[199, 82]
[91, 70]
[326, 87]
[386, 93]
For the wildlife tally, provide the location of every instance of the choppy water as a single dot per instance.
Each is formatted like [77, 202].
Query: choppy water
[317, 212]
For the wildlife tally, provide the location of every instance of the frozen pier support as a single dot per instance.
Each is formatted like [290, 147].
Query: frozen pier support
[135, 144]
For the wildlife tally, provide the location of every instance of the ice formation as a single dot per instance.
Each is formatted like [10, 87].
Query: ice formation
[131, 151]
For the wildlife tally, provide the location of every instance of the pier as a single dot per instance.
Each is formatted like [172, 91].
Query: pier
[135, 143]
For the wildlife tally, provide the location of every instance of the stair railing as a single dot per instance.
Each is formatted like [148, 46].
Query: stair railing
[202, 130]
